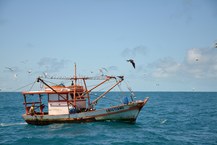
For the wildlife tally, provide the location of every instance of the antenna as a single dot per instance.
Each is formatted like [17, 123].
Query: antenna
[75, 75]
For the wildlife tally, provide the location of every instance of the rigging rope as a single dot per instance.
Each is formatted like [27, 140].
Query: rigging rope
[32, 86]
[24, 86]
[122, 92]
[105, 97]
[51, 82]
[132, 93]
[102, 88]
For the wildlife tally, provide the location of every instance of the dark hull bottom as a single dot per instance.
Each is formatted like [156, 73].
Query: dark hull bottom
[47, 122]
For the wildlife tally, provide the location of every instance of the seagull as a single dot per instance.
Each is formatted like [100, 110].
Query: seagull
[29, 71]
[100, 70]
[104, 69]
[132, 62]
[15, 76]
[9, 68]
[45, 74]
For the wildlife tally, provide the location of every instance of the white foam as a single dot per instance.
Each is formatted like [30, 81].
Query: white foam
[12, 124]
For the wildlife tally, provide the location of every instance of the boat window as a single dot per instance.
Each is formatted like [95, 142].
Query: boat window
[63, 97]
[58, 97]
[53, 97]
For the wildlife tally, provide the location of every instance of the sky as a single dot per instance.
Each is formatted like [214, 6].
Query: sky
[172, 42]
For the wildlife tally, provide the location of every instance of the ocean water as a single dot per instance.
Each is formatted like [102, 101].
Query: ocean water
[169, 118]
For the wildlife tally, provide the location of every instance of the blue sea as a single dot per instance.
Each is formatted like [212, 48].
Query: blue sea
[169, 118]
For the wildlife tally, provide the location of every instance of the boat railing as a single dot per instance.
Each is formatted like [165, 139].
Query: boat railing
[31, 103]
[37, 105]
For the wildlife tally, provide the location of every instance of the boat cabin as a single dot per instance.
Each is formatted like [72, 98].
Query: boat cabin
[60, 100]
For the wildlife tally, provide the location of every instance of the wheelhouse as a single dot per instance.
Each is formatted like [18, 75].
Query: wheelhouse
[59, 100]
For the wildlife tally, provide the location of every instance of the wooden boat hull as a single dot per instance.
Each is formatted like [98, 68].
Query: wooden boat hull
[124, 112]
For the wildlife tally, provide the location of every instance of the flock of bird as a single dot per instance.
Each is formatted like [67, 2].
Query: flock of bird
[11, 69]
[131, 61]
[14, 71]
[101, 70]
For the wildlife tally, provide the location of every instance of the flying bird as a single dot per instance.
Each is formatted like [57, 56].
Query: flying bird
[100, 70]
[29, 71]
[132, 62]
[104, 69]
[9, 68]
[45, 74]
[15, 76]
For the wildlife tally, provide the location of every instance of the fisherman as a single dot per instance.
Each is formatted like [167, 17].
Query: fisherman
[72, 109]
[32, 109]
[125, 100]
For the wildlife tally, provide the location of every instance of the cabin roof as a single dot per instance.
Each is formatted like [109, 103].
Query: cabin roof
[45, 92]
[57, 90]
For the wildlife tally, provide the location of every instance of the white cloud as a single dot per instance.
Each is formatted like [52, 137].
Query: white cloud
[193, 55]
[165, 67]
[199, 63]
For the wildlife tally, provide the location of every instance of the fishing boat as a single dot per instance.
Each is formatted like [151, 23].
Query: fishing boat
[75, 103]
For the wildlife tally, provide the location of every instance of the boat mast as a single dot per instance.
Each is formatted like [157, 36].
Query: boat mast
[75, 85]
